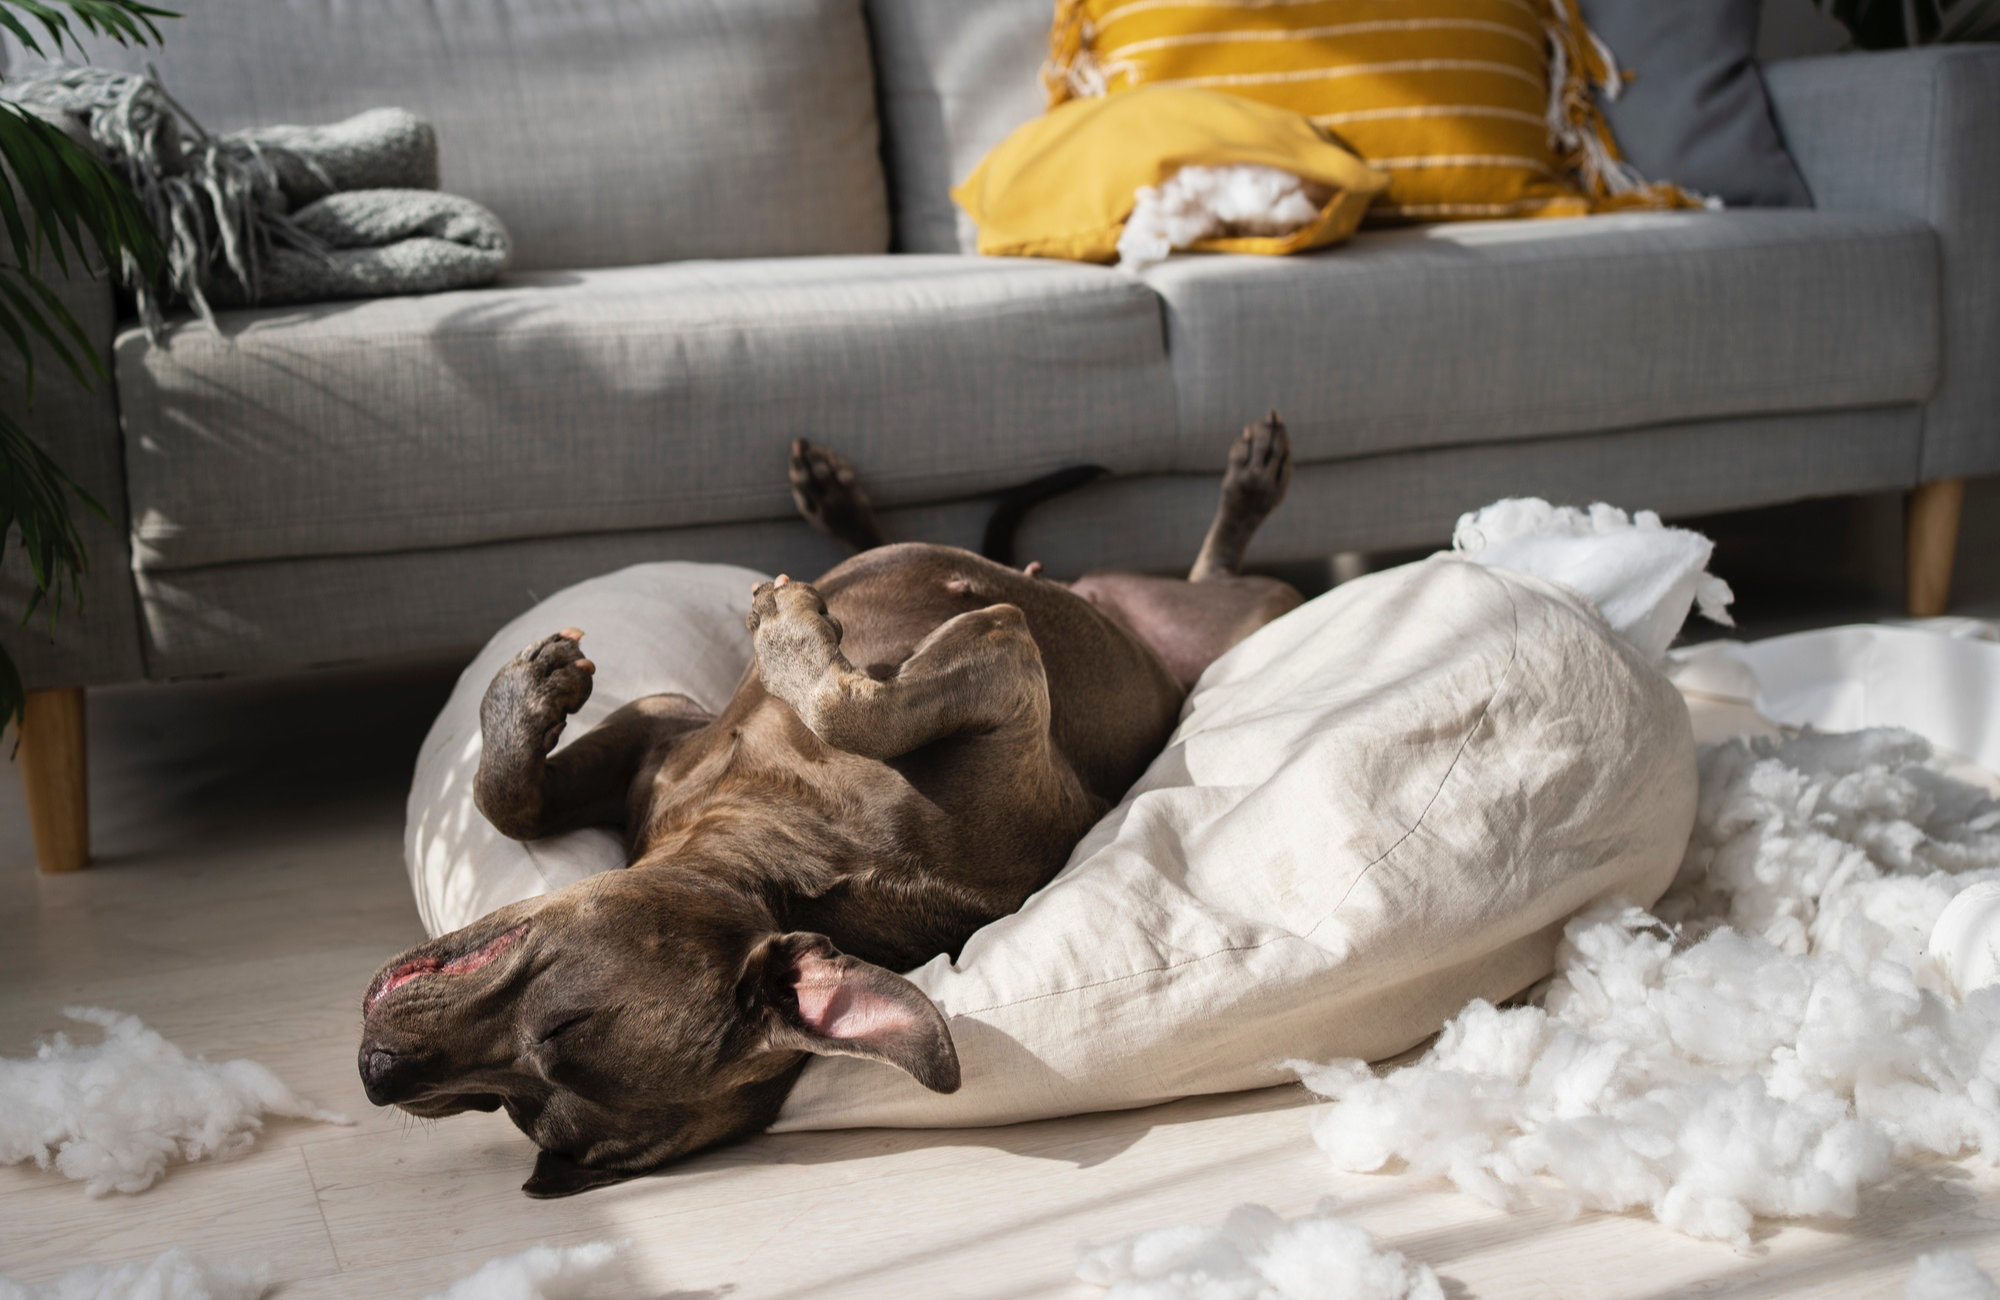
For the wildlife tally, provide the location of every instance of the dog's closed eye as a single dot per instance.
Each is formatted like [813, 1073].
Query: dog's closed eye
[560, 1026]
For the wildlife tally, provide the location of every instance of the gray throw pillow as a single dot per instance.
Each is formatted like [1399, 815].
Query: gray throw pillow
[1693, 110]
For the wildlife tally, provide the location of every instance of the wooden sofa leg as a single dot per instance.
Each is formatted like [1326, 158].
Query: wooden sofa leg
[1930, 542]
[54, 775]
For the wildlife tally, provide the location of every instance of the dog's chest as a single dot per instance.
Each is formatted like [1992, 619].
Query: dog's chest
[772, 794]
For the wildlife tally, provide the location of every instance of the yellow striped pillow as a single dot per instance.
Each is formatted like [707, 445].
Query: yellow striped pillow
[1475, 108]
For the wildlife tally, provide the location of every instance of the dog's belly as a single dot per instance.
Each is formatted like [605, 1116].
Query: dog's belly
[1112, 700]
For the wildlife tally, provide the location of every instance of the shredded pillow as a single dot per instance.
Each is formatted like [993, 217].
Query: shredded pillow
[1475, 108]
[1197, 204]
[1198, 170]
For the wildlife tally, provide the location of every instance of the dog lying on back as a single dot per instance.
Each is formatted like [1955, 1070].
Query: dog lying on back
[922, 738]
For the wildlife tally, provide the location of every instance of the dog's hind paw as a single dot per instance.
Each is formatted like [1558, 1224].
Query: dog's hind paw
[797, 640]
[1260, 469]
[828, 494]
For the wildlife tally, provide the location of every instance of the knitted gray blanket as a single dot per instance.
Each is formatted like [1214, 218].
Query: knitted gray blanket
[276, 214]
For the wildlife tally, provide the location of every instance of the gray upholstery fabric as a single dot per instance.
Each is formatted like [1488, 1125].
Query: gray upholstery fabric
[283, 614]
[638, 397]
[956, 77]
[1490, 331]
[1918, 132]
[1694, 110]
[1414, 498]
[275, 615]
[97, 640]
[602, 132]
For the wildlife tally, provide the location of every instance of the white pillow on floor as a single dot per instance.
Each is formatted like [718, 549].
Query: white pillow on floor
[1376, 808]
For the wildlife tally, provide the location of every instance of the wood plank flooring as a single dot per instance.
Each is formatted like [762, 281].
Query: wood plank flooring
[250, 881]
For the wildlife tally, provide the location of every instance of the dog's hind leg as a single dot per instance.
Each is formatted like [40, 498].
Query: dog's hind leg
[977, 671]
[528, 792]
[1190, 624]
[828, 493]
[1259, 471]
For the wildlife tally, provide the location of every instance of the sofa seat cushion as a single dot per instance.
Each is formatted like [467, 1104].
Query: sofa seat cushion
[602, 132]
[642, 397]
[1494, 331]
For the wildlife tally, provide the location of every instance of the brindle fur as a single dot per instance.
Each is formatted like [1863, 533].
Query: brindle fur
[922, 738]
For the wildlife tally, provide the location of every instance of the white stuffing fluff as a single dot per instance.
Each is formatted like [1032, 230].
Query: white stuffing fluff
[173, 1275]
[1768, 1041]
[1949, 1275]
[1255, 1255]
[1640, 574]
[113, 1114]
[539, 1273]
[1198, 203]
[1965, 942]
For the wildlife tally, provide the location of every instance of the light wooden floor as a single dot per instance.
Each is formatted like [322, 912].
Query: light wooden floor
[251, 881]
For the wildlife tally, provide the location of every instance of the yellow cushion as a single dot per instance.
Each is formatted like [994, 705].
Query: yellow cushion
[1064, 185]
[1450, 97]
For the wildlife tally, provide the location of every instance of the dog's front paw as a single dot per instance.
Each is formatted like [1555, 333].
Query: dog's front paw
[532, 698]
[796, 639]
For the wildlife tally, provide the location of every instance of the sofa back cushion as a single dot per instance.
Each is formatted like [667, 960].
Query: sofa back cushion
[957, 76]
[1693, 109]
[603, 132]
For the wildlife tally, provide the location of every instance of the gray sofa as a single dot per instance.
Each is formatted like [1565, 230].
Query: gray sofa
[732, 228]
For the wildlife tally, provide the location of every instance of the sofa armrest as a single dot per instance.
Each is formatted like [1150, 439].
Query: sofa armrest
[1918, 132]
[97, 640]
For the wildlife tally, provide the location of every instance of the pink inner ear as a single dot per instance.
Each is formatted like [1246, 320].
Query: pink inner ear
[833, 1004]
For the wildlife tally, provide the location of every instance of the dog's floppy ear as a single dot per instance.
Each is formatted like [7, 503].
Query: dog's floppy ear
[816, 998]
[560, 1176]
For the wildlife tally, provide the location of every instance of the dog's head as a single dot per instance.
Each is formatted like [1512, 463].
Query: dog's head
[630, 1019]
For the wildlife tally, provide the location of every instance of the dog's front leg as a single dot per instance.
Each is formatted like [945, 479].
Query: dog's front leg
[526, 791]
[980, 671]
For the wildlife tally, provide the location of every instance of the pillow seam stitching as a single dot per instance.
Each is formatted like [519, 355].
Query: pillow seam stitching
[1485, 711]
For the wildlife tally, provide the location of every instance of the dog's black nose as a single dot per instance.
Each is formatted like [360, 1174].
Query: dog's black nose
[378, 1069]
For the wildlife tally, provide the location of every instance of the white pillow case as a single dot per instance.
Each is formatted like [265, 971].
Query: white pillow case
[1376, 808]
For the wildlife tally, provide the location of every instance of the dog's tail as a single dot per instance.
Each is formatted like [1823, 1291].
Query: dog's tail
[1015, 503]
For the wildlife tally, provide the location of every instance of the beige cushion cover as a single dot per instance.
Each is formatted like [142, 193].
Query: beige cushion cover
[1376, 808]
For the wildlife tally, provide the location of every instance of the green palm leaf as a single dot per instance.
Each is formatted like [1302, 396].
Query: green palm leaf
[59, 201]
[124, 21]
[34, 501]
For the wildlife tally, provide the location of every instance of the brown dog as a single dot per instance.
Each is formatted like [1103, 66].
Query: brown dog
[922, 739]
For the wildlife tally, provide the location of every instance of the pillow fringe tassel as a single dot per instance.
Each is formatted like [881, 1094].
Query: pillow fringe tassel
[217, 202]
[1579, 64]
[1073, 70]
[1063, 77]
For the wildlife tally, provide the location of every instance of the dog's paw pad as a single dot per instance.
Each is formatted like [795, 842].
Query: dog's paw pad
[826, 489]
[544, 684]
[796, 637]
